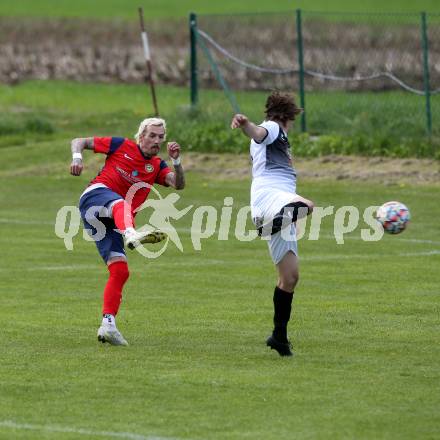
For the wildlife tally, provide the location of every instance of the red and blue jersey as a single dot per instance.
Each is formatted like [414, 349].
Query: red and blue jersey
[126, 165]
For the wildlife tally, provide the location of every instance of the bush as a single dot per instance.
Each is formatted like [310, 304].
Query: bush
[305, 145]
[38, 125]
[205, 133]
[25, 124]
[208, 133]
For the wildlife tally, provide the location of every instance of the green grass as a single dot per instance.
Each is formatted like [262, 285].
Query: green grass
[116, 9]
[365, 322]
[390, 123]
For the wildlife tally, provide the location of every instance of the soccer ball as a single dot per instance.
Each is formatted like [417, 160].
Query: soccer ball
[393, 216]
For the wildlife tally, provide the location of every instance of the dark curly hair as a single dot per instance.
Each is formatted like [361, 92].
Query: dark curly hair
[282, 107]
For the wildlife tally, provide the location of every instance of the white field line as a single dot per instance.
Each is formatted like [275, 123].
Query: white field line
[324, 236]
[209, 262]
[407, 240]
[189, 231]
[71, 267]
[368, 256]
[214, 262]
[26, 222]
[84, 432]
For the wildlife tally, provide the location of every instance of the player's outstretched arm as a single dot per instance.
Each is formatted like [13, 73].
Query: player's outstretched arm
[176, 179]
[77, 146]
[249, 128]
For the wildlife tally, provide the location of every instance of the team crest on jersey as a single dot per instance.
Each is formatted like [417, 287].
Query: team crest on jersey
[149, 168]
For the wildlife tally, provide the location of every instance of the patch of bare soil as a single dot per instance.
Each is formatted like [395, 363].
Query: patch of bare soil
[353, 168]
[238, 167]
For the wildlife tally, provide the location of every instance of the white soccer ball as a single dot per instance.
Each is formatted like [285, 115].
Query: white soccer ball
[393, 216]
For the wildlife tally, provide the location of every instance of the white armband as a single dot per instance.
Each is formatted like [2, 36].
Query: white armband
[77, 156]
[176, 161]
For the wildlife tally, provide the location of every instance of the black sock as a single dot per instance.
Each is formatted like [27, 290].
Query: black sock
[282, 304]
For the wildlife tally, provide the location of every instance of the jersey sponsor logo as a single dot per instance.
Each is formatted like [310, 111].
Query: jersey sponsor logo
[149, 168]
[127, 156]
[124, 174]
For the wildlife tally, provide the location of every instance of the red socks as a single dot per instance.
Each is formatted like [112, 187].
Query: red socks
[113, 289]
[122, 215]
[123, 219]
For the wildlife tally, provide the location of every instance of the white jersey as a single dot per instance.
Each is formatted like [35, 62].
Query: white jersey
[273, 178]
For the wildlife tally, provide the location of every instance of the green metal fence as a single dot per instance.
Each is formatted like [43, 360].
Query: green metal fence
[352, 73]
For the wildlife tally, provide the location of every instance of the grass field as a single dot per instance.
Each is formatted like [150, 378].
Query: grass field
[365, 325]
[104, 9]
[365, 318]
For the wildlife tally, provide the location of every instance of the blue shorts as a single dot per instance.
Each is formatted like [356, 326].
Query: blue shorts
[94, 207]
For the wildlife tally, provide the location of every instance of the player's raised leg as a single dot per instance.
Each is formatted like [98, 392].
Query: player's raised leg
[124, 221]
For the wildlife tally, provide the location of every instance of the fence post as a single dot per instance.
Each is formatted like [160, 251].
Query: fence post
[193, 64]
[299, 44]
[426, 80]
